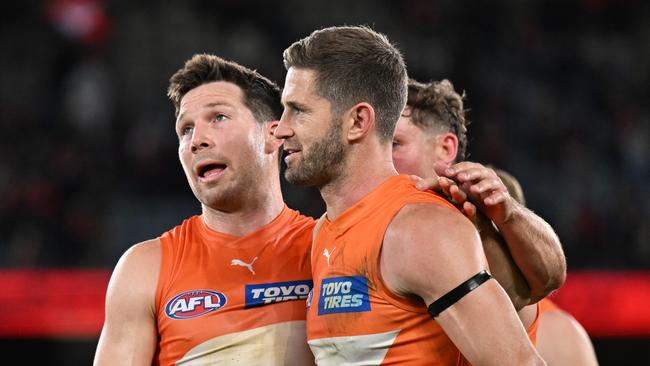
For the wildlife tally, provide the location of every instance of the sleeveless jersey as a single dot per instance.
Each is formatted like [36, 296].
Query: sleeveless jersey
[546, 305]
[353, 319]
[532, 329]
[222, 299]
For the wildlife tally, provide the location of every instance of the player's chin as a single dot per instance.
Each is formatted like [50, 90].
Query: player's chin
[218, 196]
[294, 176]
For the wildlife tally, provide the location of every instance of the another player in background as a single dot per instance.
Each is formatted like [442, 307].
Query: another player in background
[384, 249]
[561, 340]
[227, 286]
[433, 130]
[431, 133]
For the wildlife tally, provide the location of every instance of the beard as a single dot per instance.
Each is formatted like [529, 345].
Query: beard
[322, 163]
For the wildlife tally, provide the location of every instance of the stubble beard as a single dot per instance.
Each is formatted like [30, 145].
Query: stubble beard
[322, 163]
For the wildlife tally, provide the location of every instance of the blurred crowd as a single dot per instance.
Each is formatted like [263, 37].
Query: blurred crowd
[558, 95]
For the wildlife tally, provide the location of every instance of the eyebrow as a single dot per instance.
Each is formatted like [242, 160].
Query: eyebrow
[295, 105]
[209, 105]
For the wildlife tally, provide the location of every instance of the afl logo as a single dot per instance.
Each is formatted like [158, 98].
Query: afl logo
[194, 303]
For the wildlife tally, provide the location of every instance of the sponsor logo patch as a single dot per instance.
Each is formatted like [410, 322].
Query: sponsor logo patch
[194, 303]
[343, 295]
[268, 293]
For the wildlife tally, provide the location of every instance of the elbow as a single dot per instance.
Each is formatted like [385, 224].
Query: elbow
[557, 278]
[553, 281]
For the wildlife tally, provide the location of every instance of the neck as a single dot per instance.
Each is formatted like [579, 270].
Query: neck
[259, 205]
[366, 168]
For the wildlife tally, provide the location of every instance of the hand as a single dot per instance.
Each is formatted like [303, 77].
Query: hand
[450, 190]
[482, 186]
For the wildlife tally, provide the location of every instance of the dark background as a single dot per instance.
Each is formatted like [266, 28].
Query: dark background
[558, 92]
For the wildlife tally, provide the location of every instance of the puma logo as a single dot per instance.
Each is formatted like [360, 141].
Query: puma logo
[327, 255]
[238, 262]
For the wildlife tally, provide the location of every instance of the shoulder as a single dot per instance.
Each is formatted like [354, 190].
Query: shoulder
[297, 226]
[430, 224]
[562, 339]
[301, 221]
[430, 248]
[560, 322]
[136, 273]
[144, 255]
[130, 326]
[188, 226]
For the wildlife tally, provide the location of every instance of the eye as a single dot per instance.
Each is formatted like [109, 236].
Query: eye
[396, 144]
[187, 129]
[220, 117]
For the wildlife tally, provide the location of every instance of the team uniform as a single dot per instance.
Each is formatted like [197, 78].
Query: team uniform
[353, 319]
[543, 306]
[222, 299]
[534, 327]
[546, 305]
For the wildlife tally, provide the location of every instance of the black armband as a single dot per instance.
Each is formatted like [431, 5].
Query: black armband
[451, 297]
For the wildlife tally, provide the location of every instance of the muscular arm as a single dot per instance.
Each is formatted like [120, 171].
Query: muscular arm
[429, 250]
[502, 265]
[533, 244]
[536, 249]
[129, 335]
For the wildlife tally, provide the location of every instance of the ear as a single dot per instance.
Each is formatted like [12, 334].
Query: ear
[271, 143]
[446, 147]
[361, 120]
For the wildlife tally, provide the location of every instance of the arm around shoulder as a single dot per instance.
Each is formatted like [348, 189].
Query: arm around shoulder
[429, 250]
[536, 249]
[129, 334]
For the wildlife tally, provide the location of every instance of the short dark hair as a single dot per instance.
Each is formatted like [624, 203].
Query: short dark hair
[261, 95]
[355, 64]
[436, 105]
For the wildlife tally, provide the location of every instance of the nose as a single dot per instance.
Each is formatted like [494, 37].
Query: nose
[200, 140]
[282, 131]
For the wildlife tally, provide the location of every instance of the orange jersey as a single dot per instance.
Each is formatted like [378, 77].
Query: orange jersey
[546, 305]
[222, 299]
[532, 329]
[353, 318]
[543, 306]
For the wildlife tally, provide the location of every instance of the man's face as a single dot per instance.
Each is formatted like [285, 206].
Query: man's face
[312, 136]
[221, 146]
[414, 150]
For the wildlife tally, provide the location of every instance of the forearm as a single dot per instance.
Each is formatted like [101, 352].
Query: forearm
[502, 266]
[536, 250]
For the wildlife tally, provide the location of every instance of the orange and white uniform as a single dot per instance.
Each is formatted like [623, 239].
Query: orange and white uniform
[353, 319]
[222, 299]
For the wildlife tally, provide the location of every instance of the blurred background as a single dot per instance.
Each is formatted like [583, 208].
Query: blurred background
[558, 92]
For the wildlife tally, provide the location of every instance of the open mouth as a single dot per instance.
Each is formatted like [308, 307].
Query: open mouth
[290, 152]
[211, 170]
